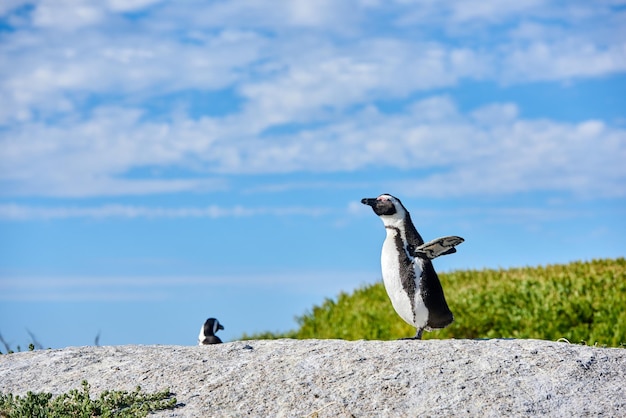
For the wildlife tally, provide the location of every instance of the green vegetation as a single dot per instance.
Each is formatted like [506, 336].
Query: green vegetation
[580, 301]
[31, 347]
[77, 403]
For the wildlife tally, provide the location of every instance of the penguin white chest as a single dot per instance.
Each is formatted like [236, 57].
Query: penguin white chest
[401, 277]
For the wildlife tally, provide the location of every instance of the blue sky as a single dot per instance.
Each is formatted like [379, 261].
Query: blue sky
[163, 162]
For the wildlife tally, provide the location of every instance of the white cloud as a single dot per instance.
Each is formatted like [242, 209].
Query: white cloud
[17, 212]
[491, 10]
[67, 14]
[336, 16]
[133, 288]
[328, 79]
[523, 156]
[193, 46]
[130, 5]
[57, 75]
[563, 60]
[10, 5]
[75, 112]
[491, 150]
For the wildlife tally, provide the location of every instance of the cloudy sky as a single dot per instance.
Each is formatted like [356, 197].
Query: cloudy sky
[163, 162]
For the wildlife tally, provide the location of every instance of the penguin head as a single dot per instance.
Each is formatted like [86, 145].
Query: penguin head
[211, 326]
[388, 207]
[207, 332]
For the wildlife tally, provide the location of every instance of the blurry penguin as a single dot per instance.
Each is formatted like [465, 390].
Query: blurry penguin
[207, 332]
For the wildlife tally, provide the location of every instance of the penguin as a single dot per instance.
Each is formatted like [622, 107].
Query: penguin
[408, 273]
[207, 332]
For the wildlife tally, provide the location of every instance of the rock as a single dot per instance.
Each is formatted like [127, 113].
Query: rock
[330, 378]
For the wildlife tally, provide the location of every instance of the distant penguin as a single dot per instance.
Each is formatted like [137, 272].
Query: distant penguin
[408, 273]
[208, 330]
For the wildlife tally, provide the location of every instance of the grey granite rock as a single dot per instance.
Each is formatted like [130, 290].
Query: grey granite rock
[329, 378]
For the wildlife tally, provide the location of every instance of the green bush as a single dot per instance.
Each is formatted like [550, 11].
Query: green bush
[77, 403]
[580, 301]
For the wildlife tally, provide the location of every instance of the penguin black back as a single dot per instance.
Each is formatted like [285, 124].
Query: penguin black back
[439, 314]
[208, 330]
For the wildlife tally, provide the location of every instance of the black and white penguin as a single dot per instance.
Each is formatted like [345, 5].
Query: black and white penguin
[408, 273]
[208, 330]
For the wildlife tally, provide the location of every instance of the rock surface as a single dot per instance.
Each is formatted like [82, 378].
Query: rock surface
[329, 378]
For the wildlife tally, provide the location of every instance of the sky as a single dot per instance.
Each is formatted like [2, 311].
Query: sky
[163, 162]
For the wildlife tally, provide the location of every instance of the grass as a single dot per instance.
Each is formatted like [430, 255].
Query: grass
[580, 301]
[77, 403]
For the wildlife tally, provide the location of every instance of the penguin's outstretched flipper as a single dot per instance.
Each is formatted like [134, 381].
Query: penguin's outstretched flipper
[437, 247]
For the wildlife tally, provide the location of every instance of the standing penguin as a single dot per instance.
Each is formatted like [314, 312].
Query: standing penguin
[207, 332]
[408, 273]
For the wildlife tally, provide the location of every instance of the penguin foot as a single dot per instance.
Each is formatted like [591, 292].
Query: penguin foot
[417, 336]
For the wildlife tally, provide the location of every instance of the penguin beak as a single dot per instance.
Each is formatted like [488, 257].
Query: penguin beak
[369, 201]
[220, 326]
